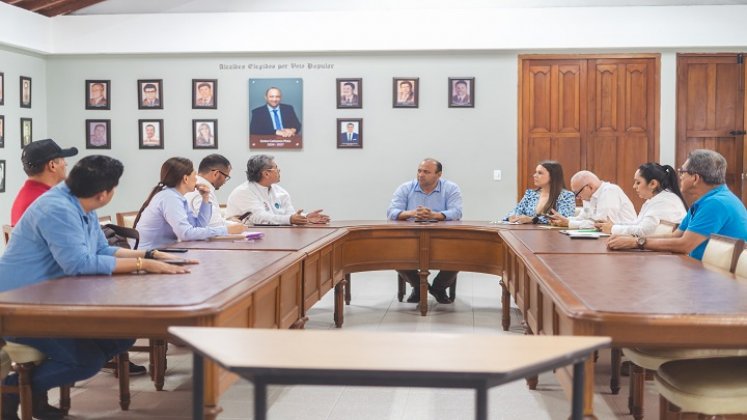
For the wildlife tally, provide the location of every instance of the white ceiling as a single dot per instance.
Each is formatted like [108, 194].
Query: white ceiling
[229, 6]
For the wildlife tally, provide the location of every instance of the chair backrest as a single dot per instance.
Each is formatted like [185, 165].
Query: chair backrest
[126, 219]
[103, 220]
[665, 228]
[125, 233]
[722, 252]
[7, 230]
[740, 270]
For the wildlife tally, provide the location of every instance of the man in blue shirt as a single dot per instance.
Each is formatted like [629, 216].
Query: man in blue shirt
[427, 198]
[59, 235]
[714, 209]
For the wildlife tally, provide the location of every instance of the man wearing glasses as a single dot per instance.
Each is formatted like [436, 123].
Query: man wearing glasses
[213, 172]
[262, 202]
[713, 209]
[603, 201]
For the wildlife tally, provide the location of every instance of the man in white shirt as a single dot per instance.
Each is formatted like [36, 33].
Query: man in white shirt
[262, 202]
[214, 171]
[603, 201]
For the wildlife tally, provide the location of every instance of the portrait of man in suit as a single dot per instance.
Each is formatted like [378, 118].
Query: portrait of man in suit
[203, 94]
[2, 88]
[25, 132]
[151, 134]
[150, 94]
[2, 131]
[274, 118]
[25, 92]
[2, 176]
[461, 92]
[349, 93]
[350, 135]
[98, 95]
[97, 132]
[406, 92]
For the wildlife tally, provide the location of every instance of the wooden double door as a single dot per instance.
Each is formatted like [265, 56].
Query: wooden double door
[595, 112]
[711, 111]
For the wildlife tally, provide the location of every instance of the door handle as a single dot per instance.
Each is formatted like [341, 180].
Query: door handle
[737, 132]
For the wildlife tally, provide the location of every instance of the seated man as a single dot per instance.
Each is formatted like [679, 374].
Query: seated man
[214, 171]
[260, 201]
[428, 197]
[714, 209]
[59, 235]
[603, 201]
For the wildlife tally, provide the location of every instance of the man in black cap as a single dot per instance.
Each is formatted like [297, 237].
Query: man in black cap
[44, 163]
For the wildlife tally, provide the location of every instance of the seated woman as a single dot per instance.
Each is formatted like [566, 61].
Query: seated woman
[659, 186]
[549, 194]
[165, 216]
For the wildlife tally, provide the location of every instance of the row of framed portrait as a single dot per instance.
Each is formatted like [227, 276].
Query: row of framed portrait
[24, 87]
[406, 92]
[150, 94]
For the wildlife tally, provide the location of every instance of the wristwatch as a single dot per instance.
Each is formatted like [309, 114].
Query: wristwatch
[641, 242]
[149, 254]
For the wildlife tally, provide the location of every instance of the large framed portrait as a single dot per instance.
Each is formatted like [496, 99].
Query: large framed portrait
[461, 92]
[2, 88]
[97, 94]
[349, 133]
[349, 93]
[2, 176]
[2, 131]
[276, 113]
[405, 92]
[204, 93]
[150, 94]
[151, 134]
[204, 134]
[98, 134]
[25, 89]
[26, 132]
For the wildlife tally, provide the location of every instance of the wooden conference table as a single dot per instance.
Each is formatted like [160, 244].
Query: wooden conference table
[637, 299]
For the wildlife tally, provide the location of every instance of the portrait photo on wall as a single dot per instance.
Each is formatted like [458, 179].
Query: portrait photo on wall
[204, 134]
[97, 94]
[276, 112]
[405, 92]
[2, 88]
[25, 89]
[349, 93]
[98, 134]
[150, 94]
[204, 93]
[461, 92]
[349, 133]
[2, 131]
[2, 176]
[26, 132]
[151, 134]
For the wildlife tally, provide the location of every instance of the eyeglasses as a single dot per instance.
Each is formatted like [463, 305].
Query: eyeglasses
[273, 169]
[223, 173]
[581, 189]
[682, 171]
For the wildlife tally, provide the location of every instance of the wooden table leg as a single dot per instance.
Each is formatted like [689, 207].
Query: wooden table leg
[123, 366]
[198, 391]
[347, 289]
[423, 292]
[616, 356]
[159, 361]
[588, 388]
[339, 315]
[505, 306]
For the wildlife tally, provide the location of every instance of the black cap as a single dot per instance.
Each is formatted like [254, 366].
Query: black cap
[42, 151]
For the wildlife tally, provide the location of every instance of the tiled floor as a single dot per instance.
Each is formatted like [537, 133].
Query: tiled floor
[374, 307]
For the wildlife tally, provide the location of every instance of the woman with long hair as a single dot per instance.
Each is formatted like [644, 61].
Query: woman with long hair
[659, 186]
[165, 216]
[550, 194]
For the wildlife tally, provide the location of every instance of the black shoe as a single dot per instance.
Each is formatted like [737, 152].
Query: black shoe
[10, 407]
[440, 295]
[414, 296]
[136, 370]
[41, 410]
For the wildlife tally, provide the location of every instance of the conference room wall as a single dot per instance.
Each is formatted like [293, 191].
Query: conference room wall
[15, 63]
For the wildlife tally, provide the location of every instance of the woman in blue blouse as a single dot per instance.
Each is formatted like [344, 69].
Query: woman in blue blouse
[549, 194]
[165, 217]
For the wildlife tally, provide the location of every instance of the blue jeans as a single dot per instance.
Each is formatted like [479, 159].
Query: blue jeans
[68, 359]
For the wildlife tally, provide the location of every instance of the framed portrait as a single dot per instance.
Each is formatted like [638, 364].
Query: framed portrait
[405, 92]
[204, 134]
[349, 133]
[98, 134]
[2, 88]
[204, 93]
[151, 134]
[349, 93]
[26, 132]
[461, 92]
[150, 94]
[2, 176]
[25, 89]
[276, 113]
[2, 131]
[97, 94]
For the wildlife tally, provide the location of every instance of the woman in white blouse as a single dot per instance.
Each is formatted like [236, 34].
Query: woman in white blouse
[659, 186]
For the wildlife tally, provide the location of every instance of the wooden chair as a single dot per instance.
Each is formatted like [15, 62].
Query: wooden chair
[722, 253]
[665, 228]
[712, 388]
[740, 269]
[126, 219]
[21, 359]
[103, 220]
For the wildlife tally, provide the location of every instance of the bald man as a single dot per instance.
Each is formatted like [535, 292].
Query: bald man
[602, 200]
